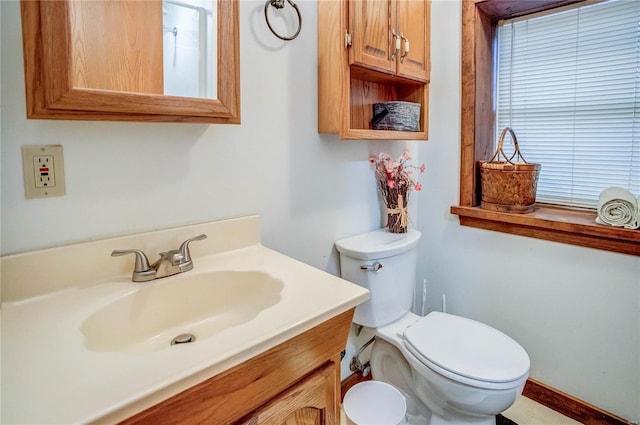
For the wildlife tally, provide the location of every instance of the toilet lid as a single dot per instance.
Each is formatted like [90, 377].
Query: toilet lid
[467, 348]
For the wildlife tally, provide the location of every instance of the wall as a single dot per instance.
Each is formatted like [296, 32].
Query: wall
[575, 310]
[309, 189]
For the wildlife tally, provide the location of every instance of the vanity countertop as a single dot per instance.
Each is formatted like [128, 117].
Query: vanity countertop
[50, 376]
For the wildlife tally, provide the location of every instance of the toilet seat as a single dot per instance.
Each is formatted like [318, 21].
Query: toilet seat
[467, 351]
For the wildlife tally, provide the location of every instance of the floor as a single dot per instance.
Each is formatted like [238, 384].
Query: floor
[524, 412]
[527, 412]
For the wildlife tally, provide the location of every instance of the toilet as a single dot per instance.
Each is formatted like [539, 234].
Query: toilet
[450, 369]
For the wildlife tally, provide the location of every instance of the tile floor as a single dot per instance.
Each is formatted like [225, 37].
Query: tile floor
[525, 412]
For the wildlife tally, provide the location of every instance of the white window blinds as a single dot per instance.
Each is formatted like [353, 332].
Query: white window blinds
[568, 84]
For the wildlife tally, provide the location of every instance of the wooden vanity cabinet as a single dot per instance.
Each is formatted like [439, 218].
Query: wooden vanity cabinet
[295, 383]
[369, 52]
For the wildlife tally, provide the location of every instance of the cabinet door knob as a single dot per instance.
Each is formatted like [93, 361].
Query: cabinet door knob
[347, 40]
[406, 47]
[396, 43]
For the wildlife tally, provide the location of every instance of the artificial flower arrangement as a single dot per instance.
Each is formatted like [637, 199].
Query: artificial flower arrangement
[395, 181]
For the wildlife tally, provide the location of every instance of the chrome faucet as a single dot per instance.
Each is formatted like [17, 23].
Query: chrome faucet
[170, 262]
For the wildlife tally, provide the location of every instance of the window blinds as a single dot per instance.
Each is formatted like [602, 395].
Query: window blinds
[568, 84]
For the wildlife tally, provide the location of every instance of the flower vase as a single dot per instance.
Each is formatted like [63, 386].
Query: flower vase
[395, 181]
[396, 200]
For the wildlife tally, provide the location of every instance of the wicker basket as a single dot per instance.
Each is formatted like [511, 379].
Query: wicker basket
[399, 116]
[509, 186]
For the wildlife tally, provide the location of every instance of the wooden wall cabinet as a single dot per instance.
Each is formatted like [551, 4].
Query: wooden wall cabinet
[73, 71]
[368, 52]
[294, 383]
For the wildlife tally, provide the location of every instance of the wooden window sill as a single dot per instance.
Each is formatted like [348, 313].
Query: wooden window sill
[576, 227]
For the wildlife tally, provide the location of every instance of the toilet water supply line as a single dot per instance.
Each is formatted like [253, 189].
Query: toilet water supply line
[424, 299]
[356, 364]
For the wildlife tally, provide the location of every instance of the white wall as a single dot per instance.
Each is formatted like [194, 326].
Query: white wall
[575, 310]
[309, 189]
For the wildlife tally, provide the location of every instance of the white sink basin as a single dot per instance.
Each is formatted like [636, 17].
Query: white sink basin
[149, 317]
[90, 325]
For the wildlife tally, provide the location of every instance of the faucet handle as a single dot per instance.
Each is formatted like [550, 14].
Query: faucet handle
[184, 248]
[142, 272]
[142, 262]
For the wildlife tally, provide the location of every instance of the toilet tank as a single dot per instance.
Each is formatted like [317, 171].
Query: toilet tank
[391, 288]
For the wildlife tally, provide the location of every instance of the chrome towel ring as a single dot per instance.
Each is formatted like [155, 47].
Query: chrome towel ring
[279, 4]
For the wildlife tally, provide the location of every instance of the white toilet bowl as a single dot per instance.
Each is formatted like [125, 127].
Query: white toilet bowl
[480, 371]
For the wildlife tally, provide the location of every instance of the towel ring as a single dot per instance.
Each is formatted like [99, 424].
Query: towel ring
[279, 4]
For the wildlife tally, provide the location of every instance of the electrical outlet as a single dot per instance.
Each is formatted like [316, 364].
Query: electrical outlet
[43, 170]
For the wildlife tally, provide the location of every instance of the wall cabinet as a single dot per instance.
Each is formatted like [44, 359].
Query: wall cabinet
[295, 383]
[89, 60]
[368, 52]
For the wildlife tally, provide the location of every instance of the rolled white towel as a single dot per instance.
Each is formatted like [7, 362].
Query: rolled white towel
[618, 207]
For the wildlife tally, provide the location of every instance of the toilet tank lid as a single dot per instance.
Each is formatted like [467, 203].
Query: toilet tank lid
[378, 244]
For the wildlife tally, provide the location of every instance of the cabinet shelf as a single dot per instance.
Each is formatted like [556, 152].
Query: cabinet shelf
[364, 92]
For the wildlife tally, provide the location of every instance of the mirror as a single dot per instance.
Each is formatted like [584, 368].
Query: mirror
[189, 48]
[132, 60]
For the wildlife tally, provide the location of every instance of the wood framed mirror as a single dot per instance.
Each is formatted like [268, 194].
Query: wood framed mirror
[102, 60]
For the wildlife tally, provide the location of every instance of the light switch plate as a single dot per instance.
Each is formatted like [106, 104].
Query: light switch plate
[43, 170]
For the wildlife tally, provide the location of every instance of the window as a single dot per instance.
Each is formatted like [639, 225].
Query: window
[480, 20]
[568, 83]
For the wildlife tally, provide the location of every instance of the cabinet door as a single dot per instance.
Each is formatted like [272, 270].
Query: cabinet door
[312, 401]
[414, 19]
[370, 29]
[130, 59]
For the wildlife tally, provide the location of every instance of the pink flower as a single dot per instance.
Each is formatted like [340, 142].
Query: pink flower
[390, 166]
[397, 173]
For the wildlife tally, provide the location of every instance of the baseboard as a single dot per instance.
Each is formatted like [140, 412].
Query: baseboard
[570, 406]
[550, 397]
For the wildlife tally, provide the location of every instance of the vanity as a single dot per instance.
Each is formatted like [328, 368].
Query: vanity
[82, 343]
